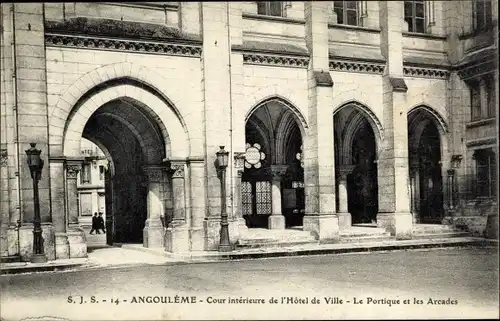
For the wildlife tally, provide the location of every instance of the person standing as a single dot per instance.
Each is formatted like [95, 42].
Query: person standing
[95, 220]
[100, 223]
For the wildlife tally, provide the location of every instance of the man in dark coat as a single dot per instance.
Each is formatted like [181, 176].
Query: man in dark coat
[100, 223]
[95, 226]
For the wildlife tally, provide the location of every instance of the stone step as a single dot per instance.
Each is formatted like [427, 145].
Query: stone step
[432, 228]
[366, 238]
[275, 243]
[454, 234]
[357, 231]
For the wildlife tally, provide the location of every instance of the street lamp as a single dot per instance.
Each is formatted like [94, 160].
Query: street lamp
[222, 161]
[36, 164]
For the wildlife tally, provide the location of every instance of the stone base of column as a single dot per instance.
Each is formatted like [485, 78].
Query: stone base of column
[345, 220]
[153, 234]
[212, 232]
[12, 241]
[177, 239]
[77, 242]
[26, 241]
[325, 227]
[197, 236]
[276, 222]
[399, 224]
[62, 246]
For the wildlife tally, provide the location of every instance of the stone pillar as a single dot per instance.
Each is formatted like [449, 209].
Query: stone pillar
[345, 219]
[319, 168]
[4, 204]
[58, 203]
[76, 235]
[276, 221]
[197, 182]
[239, 161]
[153, 233]
[414, 192]
[393, 174]
[177, 235]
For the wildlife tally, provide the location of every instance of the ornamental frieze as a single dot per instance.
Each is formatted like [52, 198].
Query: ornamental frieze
[172, 49]
[357, 66]
[275, 60]
[426, 73]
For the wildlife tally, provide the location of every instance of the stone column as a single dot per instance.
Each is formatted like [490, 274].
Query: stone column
[319, 168]
[277, 221]
[153, 234]
[239, 161]
[4, 204]
[414, 192]
[345, 219]
[177, 235]
[198, 205]
[58, 203]
[76, 235]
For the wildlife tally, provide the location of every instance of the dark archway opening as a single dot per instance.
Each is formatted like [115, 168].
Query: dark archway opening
[129, 134]
[272, 138]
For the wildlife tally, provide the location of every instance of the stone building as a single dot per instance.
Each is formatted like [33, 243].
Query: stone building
[90, 184]
[334, 113]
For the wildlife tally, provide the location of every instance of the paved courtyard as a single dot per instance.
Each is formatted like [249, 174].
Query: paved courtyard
[438, 283]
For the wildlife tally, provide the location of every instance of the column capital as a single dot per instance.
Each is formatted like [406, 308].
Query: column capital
[278, 171]
[72, 170]
[345, 170]
[456, 160]
[176, 169]
[154, 172]
[239, 160]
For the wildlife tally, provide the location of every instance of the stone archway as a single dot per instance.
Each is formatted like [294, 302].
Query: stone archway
[425, 149]
[273, 178]
[130, 121]
[357, 135]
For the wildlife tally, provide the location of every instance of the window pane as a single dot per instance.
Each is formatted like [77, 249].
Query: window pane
[475, 101]
[352, 18]
[408, 9]
[419, 10]
[263, 197]
[490, 92]
[419, 25]
[410, 24]
[276, 8]
[340, 15]
[246, 198]
[261, 7]
[351, 4]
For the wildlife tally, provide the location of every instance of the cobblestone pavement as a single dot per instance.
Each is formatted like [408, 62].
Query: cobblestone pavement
[463, 281]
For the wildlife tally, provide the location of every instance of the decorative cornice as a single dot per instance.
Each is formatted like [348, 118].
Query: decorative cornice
[275, 60]
[101, 43]
[475, 70]
[357, 66]
[426, 72]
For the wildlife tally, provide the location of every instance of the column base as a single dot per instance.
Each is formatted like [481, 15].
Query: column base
[276, 222]
[12, 241]
[26, 242]
[77, 241]
[345, 220]
[197, 236]
[399, 224]
[177, 239]
[211, 227]
[153, 234]
[62, 246]
[324, 227]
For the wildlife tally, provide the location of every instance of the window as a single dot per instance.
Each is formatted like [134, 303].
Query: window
[85, 175]
[475, 100]
[256, 198]
[481, 14]
[485, 173]
[415, 15]
[347, 12]
[101, 172]
[490, 96]
[270, 8]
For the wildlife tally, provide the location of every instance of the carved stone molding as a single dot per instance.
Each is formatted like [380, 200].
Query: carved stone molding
[357, 66]
[177, 170]
[154, 174]
[239, 160]
[275, 60]
[345, 170]
[3, 157]
[456, 160]
[278, 171]
[72, 170]
[426, 73]
[172, 49]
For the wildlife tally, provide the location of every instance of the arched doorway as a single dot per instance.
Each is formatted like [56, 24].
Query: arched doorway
[424, 147]
[355, 165]
[273, 177]
[133, 140]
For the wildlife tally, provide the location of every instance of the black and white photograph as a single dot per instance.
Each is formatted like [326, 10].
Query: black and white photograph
[249, 160]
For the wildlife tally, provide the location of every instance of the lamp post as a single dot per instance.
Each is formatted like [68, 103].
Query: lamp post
[36, 164]
[222, 161]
